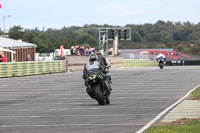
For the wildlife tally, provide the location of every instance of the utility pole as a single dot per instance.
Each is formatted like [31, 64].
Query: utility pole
[4, 18]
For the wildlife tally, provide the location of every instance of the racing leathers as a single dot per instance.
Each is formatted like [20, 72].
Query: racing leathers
[102, 60]
[160, 56]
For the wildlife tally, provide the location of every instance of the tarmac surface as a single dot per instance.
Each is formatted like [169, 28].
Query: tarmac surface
[58, 103]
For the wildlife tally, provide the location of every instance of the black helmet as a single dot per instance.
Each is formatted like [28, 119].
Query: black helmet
[93, 57]
[98, 52]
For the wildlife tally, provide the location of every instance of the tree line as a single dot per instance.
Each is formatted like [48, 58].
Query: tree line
[184, 37]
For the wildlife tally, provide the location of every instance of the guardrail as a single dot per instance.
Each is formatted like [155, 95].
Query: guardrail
[31, 68]
[139, 62]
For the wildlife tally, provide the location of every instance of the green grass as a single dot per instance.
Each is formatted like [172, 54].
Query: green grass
[189, 127]
[196, 93]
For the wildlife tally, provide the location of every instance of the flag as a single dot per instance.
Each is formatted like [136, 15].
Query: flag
[61, 50]
[0, 5]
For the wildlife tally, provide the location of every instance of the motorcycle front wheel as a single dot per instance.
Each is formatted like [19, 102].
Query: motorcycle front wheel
[161, 65]
[98, 95]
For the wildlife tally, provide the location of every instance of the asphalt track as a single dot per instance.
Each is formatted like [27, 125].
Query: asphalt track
[58, 103]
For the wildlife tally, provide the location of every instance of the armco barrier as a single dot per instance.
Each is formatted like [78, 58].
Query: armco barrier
[139, 62]
[31, 68]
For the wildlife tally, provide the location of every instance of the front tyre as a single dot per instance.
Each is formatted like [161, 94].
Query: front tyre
[98, 95]
[161, 65]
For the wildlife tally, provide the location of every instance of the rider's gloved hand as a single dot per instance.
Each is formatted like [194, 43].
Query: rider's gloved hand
[84, 76]
[106, 70]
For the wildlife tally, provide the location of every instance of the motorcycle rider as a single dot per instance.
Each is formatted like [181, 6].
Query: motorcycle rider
[96, 67]
[161, 56]
[101, 58]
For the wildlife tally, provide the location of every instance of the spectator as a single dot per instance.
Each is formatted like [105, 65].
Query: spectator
[106, 52]
[81, 50]
[73, 50]
[29, 58]
[110, 51]
[77, 52]
[118, 52]
[86, 51]
[91, 50]
[3, 58]
[0, 58]
[102, 52]
[77, 49]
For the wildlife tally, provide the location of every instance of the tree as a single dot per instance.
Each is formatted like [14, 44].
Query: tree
[166, 37]
[136, 37]
[194, 36]
[153, 37]
[16, 32]
[86, 39]
[66, 41]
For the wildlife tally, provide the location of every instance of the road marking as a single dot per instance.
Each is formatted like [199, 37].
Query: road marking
[65, 125]
[89, 98]
[107, 115]
[64, 103]
[62, 109]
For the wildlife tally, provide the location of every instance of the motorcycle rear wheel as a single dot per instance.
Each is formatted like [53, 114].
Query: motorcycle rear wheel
[98, 95]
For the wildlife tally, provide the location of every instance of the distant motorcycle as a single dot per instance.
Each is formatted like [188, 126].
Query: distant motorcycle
[161, 62]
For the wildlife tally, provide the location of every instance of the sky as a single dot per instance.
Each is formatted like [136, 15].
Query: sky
[56, 14]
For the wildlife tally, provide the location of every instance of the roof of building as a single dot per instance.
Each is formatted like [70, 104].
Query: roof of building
[12, 43]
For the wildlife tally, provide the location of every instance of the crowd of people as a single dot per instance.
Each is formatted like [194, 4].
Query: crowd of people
[81, 50]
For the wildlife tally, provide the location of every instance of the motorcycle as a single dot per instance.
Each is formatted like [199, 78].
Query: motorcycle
[97, 88]
[161, 62]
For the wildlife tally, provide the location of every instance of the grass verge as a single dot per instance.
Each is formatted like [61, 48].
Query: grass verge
[196, 93]
[188, 127]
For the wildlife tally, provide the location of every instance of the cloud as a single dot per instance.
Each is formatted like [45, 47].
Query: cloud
[113, 9]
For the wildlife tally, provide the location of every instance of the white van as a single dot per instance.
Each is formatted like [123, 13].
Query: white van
[65, 52]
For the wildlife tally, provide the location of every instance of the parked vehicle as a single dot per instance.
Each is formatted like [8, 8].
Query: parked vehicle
[65, 52]
[57, 54]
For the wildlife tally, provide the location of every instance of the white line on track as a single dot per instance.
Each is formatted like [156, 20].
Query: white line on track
[60, 103]
[90, 98]
[45, 116]
[164, 112]
[69, 94]
[66, 125]
[64, 109]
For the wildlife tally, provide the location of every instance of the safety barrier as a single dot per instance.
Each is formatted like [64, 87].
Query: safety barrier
[139, 62]
[31, 68]
[76, 63]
